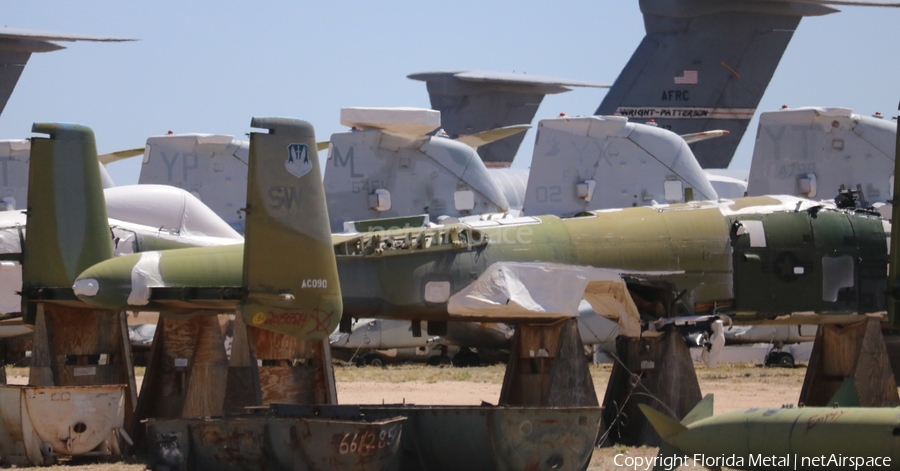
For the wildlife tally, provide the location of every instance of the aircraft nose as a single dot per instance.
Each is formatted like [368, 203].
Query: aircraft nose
[87, 287]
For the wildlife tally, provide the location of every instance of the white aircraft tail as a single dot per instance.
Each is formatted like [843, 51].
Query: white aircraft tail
[388, 166]
[811, 152]
[596, 162]
[213, 167]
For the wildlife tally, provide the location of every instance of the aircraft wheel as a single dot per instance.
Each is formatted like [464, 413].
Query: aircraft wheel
[782, 359]
[786, 360]
[375, 360]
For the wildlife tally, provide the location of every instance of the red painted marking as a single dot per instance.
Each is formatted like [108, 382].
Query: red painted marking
[318, 318]
[822, 419]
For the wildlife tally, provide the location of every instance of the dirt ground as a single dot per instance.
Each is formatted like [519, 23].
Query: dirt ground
[735, 386]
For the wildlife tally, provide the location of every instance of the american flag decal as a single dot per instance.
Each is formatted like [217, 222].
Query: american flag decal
[688, 77]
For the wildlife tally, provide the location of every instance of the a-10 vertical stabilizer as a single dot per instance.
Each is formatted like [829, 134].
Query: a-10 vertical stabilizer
[290, 274]
[812, 152]
[602, 162]
[388, 167]
[68, 230]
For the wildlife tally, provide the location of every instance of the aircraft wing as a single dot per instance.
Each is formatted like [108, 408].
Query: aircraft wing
[509, 291]
[849, 3]
[17, 45]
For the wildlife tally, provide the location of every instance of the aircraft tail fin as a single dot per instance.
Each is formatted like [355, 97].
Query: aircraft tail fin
[705, 65]
[474, 101]
[290, 272]
[598, 162]
[664, 425]
[375, 171]
[846, 395]
[68, 230]
[703, 410]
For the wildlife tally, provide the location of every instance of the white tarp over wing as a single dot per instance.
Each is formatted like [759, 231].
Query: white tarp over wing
[547, 290]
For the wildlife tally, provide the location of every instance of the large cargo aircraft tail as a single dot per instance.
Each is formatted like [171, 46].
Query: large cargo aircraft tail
[290, 272]
[474, 101]
[68, 230]
[705, 65]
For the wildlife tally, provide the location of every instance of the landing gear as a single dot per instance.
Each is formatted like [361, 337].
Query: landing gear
[466, 357]
[778, 357]
[439, 360]
[371, 359]
[782, 359]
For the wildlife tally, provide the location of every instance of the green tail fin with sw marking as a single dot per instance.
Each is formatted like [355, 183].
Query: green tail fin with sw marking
[290, 273]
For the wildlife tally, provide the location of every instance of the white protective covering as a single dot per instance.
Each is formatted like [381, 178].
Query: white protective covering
[172, 209]
[411, 122]
[509, 290]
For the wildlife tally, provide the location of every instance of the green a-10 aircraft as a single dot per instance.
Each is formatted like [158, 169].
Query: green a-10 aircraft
[756, 258]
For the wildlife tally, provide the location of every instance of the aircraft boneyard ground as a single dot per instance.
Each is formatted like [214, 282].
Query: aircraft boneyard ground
[736, 386]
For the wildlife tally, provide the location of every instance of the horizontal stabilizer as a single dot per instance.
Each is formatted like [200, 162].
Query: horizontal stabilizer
[486, 137]
[702, 136]
[508, 79]
[409, 122]
[120, 155]
[18, 33]
[703, 410]
[474, 101]
[846, 395]
[665, 426]
[848, 3]
[322, 145]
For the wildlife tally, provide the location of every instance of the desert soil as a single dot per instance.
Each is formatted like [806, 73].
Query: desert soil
[735, 386]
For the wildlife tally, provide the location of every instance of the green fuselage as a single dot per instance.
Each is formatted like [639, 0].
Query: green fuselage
[688, 250]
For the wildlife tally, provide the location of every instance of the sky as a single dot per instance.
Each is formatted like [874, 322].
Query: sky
[210, 66]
